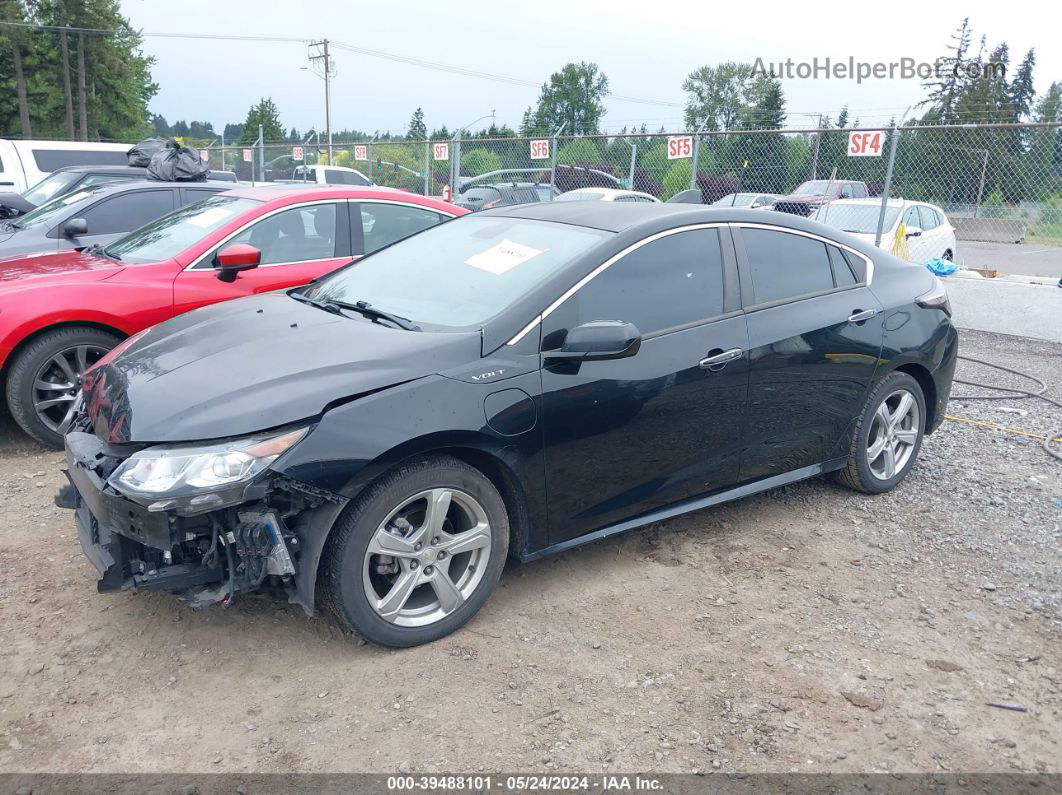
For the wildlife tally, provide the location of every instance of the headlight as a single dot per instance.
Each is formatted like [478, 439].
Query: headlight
[183, 470]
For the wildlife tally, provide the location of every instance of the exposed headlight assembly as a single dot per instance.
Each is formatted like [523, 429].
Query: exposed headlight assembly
[194, 478]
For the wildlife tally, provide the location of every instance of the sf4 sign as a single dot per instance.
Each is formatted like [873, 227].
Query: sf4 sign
[441, 151]
[679, 147]
[361, 152]
[865, 144]
[540, 150]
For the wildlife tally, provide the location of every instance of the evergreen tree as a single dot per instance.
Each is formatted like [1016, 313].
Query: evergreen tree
[944, 91]
[573, 98]
[418, 130]
[264, 113]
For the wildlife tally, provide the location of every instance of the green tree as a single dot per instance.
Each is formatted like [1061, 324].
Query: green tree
[718, 95]
[573, 98]
[945, 89]
[479, 161]
[581, 151]
[677, 178]
[264, 113]
[418, 130]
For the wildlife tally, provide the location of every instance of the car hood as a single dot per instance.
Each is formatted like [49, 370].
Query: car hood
[252, 364]
[30, 270]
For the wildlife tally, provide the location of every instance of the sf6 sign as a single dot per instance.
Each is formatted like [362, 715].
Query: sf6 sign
[679, 147]
[865, 144]
[540, 150]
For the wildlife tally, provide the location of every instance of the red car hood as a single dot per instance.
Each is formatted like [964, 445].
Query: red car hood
[56, 267]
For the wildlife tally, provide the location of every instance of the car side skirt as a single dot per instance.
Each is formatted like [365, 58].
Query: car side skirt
[686, 506]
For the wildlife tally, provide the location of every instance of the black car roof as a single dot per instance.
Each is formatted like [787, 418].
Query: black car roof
[624, 216]
[143, 184]
[101, 169]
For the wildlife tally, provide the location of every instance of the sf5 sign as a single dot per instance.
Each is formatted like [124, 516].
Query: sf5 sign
[865, 144]
[679, 147]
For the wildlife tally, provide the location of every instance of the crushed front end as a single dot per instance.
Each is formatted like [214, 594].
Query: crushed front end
[205, 521]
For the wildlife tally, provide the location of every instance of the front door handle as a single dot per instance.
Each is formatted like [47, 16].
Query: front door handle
[859, 315]
[717, 361]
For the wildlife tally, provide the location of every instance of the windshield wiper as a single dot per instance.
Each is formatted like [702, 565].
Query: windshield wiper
[100, 251]
[362, 307]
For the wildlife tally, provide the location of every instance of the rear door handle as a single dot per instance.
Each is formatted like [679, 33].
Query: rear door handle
[861, 314]
[718, 361]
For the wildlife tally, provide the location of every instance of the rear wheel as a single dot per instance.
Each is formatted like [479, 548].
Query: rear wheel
[887, 437]
[417, 555]
[46, 375]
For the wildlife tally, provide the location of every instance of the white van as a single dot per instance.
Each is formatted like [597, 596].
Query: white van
[25, 163]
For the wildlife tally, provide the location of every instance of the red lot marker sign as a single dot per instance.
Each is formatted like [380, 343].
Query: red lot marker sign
[540, 150]
[679, 147]
[865, 144]
[361, 152]
[441, 151]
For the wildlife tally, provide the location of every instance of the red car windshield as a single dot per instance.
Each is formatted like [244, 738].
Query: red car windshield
[171, 234]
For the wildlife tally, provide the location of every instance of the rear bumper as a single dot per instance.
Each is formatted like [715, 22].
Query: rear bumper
[943, 377]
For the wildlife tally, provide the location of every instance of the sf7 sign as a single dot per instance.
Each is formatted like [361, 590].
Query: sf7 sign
[865, 144]
[441, 151]
[679, 147]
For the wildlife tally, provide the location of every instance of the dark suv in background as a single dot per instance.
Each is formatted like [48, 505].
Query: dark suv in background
[71, 178]
[98, 214]
[485, 197]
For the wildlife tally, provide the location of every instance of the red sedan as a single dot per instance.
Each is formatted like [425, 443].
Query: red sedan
[60, 312]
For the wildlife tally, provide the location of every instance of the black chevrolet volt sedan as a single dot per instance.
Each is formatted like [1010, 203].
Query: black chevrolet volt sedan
[513, 383]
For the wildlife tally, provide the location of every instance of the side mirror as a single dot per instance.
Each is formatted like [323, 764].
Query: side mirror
[599, 340]
[914, 231]
[235, 258]
[75, 227]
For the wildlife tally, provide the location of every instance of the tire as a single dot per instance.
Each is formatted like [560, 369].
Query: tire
[871, 473]
[79, 347]
[355, 589]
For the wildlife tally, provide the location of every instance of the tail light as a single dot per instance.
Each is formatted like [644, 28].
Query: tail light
[937, 298]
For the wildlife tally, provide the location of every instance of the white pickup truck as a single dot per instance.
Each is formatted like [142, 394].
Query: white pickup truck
[327, 175]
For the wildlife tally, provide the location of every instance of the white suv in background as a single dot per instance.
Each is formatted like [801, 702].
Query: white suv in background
[927, 233]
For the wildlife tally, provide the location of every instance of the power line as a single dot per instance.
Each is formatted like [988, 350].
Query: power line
[372, 53]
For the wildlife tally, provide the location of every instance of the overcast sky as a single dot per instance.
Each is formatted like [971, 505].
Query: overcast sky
[645, 48]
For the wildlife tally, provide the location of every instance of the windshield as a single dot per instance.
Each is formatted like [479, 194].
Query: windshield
[171, 234]
[52, 211]
[817, 187]
[859, 218]
[462, 273]
[580, 195]
[51, 185]
[736, 200]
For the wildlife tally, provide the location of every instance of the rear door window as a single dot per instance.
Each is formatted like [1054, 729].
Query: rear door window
[382, 224]
[785, 266]
[929, 217]
[127, 211]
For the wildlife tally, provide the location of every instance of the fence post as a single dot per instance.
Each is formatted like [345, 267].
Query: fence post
[427, 164]
[368, 155]
[696, 156]
[456, 155]
[981, 185]
[261, 154]
[553, 159]
[888, 185]
[634, 157]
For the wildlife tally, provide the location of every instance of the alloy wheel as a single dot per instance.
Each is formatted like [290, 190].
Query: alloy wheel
[893, 434]
[427, 558]
[56, 384]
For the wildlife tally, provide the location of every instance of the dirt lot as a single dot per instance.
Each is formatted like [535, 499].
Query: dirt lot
[808, 629]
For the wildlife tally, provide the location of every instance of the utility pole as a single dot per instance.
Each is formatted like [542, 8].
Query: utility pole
[322, 56]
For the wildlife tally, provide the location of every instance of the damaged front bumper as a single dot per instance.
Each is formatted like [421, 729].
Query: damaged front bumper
[270, 539]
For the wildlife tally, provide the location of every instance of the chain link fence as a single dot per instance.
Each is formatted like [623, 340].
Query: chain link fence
[947, 184]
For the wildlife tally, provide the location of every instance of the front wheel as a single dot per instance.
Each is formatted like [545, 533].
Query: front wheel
[46, 376]
[417, 555]
[887, 437]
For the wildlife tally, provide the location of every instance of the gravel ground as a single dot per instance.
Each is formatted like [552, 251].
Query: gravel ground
[810, 629]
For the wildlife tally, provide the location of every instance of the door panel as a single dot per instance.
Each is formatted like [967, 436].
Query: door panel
[625, 436]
